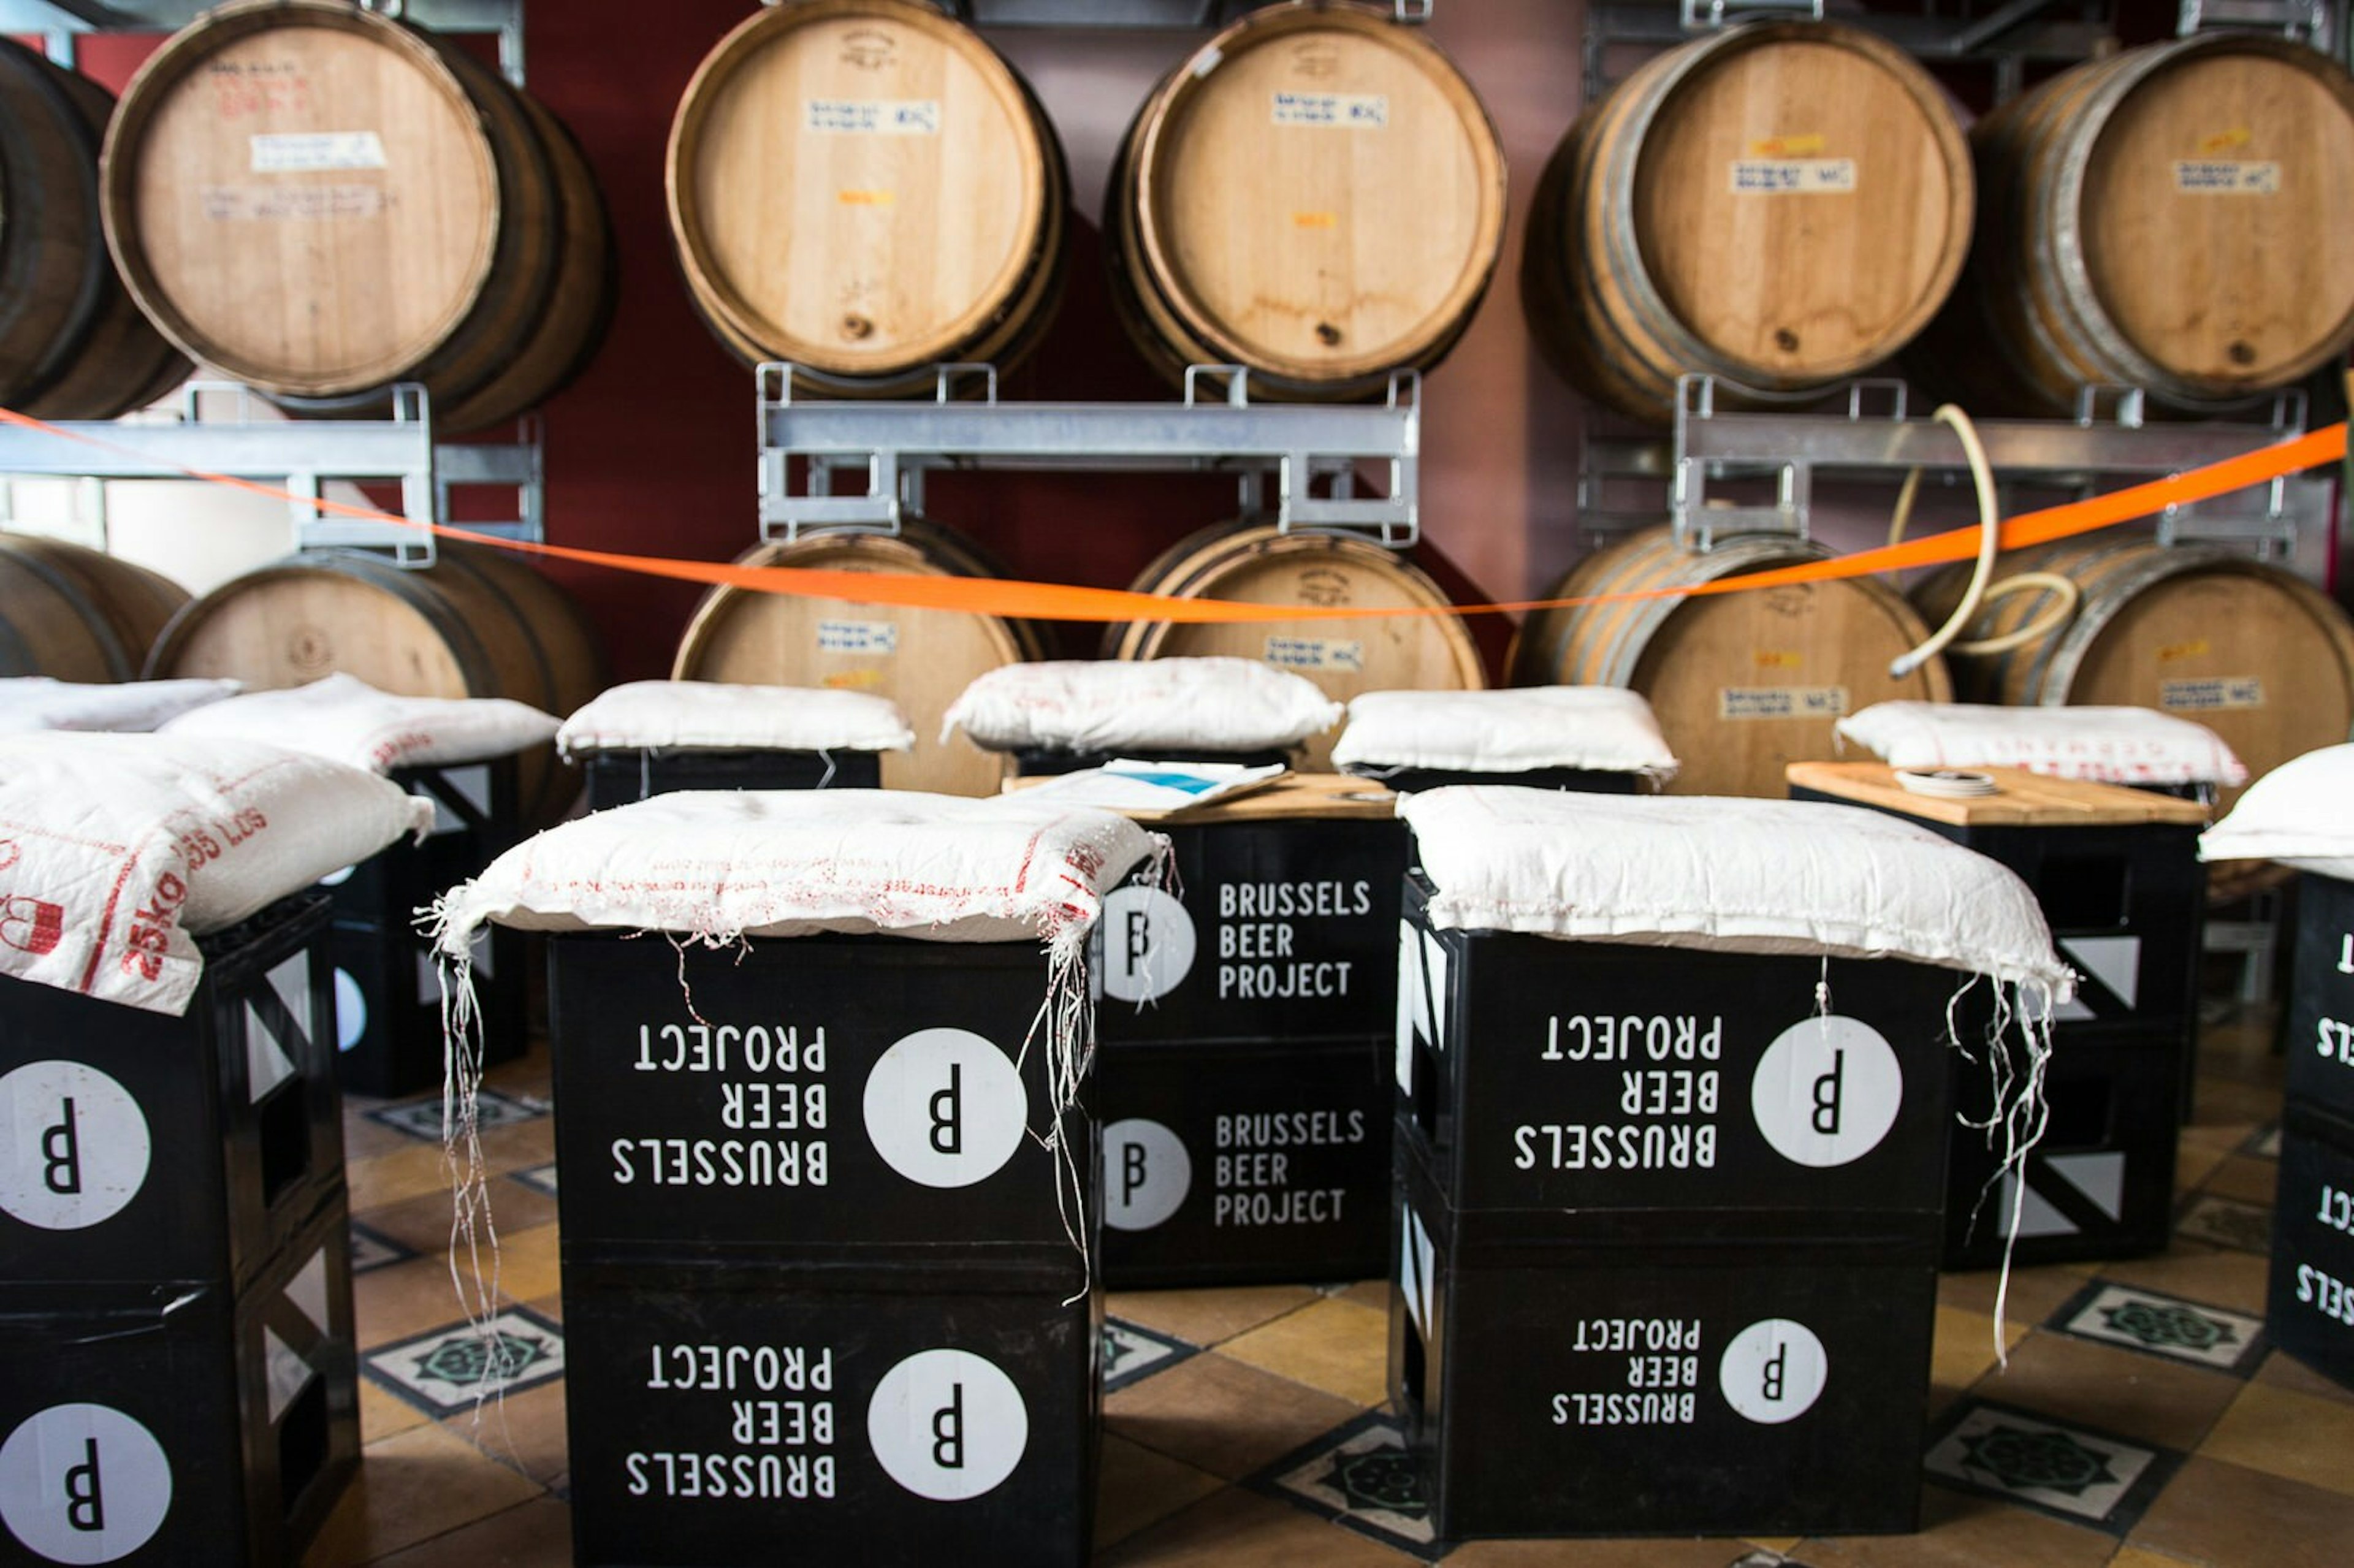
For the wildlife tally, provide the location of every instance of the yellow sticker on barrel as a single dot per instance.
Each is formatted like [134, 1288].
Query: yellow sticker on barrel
[863, 199]
[2227, 176]
[1805, 145]
[852, 680]
[1316, 220]
[1780, 702]
[1792, 177]
[1778, 659]
[2212, 695]
[2225, 141]
[1315, 653]
[2173, 652]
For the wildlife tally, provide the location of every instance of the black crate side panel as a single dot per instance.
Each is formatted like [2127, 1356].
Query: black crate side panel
[709, 1425]
[144, 1146]
[1277, 931]
[743, 1100]
[2310, 1310]
[2318, 1026]
[1234, 1164]
[1604, 1079]
[621, 777]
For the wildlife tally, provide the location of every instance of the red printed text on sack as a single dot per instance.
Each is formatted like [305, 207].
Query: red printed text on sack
[151, 928]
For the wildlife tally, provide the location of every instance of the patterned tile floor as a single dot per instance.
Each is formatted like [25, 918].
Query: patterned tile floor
[2143, 1420]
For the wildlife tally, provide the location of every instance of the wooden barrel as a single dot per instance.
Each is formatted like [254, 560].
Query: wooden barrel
[478, 623]
[920, 658]
[1780, 204]
[2256, 654]
[1743, 683]
[75, 614]
[72, 343]
[321, 201]
[864, 189]
[1252, 563]
[1316, 194]
[2178, 217]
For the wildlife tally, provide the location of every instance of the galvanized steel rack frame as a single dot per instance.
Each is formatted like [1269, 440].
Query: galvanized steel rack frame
[881, 451]
[301, 452]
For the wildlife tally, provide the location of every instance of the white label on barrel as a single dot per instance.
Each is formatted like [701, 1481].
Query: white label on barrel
[858, 637]
[1315, 653]
[1780, 702]
[875, 116]
[1336, 111]
[948, 1425]
[74, 1145]
[1792, 177]
[84, 1483]
[301, 151]
[2227, 176]
[2207, 695]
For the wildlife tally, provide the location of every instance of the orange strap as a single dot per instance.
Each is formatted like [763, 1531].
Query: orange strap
[1026, 600]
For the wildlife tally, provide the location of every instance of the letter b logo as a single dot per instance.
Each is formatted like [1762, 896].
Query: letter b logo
[948, 1425]
[1774, 1371]
[946, 1107]
[84, 1483]
[1148, 944]
[1826, 1091]
[1146, 1175]
[74, 1147]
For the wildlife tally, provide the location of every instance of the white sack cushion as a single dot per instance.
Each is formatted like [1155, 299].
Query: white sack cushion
[717, 865]
[1132, 706]
[2302, 811]
[1605, 729]
[115, 850]
[656, 716]
[1737, 875]
[29, 703]
[345, 719]
[2106, 745]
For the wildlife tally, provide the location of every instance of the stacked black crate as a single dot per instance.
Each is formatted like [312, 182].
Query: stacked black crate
[2117, 873]
[826, 1272]
[388, 992]
[1668, 1234]
[178, 1379]
[2310, 1309]
[1245, 1024]
[659, 737]
[622, 778]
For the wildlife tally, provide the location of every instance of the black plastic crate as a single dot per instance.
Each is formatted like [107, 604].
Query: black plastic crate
[1277, 929]
[2126, 904]
[178, 1422]
[389, 998]
[1555, 1387]
[1628, 1088]
[1042, 762]
[2100, 1182]
[2309, 1308]
[1231, 1164]
[2318, 1025]
[136, 1146]
[621, 777]
[807, 1096]
[1582, 780]
[750, 1415]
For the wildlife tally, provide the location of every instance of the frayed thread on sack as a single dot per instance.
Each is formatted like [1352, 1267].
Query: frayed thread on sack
[2020, 1110]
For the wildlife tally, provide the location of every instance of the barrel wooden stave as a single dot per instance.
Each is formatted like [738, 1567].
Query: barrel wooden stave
[920, 658]
[1719, 669]
[2097, 265]
[473, 625]
[1321, 257]
[865, 257]
[2254, 652]
[130, 603]
[425, 238]
[1645, 262]
[72, 614]
[1253, 563]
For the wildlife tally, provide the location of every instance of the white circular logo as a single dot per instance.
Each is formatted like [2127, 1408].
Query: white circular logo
[948, 1425]
[1826, 1091]
[1146, 1174]
[946, 1107]
[351, 1012]
[73, 1145]
[84, 1483]
[1148, 944]
[1772, 1371]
